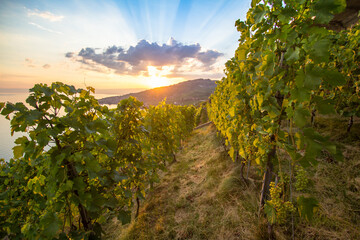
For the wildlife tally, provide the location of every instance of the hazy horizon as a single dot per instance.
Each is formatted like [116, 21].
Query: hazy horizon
[116, 44]
[99, 90]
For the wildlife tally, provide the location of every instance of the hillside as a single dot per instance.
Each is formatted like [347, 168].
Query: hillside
[189, 92]
[202, 196]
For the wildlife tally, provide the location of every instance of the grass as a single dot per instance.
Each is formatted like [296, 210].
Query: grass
[202, 195]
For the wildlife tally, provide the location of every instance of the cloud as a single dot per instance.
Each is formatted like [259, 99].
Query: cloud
[136, 59]
[89, 56]
[45, 15]
[69, 54]
[44, 28]
[209, 57]
[29, 63]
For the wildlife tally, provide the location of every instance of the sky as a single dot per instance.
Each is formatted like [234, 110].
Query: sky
[116, 44]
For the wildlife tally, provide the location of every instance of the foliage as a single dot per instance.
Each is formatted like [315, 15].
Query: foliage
[15, 191]
[201, 115]
[80, 161]
[286, 66]
[346, 58]
[167, 125]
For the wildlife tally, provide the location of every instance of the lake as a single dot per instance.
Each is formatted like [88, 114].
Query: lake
[20, 95]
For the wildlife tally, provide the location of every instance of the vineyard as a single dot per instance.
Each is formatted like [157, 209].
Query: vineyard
[81, 162]
[286, 114]
[289, 68]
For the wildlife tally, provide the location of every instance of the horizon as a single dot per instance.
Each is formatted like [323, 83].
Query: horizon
[101, 90]
[116, 44]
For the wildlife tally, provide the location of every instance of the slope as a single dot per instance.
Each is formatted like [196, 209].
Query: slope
[202, 196]
[189, 92]
[198, 198]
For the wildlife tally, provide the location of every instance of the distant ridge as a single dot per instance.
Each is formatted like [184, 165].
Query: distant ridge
[188, 92]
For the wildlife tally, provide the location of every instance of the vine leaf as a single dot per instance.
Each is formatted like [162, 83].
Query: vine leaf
[324, 106]
[300, 117]
[334, 78]
[124, 216]
[292, 55]
[18, 151]
[312, 78]
[307, 206]
[320, 51]
[270, 212]
[326, 8]
[259, 13]
[51, 223]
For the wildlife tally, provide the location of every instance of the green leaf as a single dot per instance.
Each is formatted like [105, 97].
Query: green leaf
[334, 78]
[241, 52]
[325, 107]
[51, 224]
[9, 108]
[324, 9]
[300, 78]
[18, 151]
[254, 3]
[21, 140]
[292, 55]
[312, 78]
[111, 202]
[259, 13]
[306, 207]
[301, 117]
[92, 164]
[300, 95]
[313, 149]
[124, 216]
[43, 139]
[286, 14]
[79, 184]
[311, 134]
[291, 151]
[320, 51]
[67, 186]
[270, 212]
[63, 236]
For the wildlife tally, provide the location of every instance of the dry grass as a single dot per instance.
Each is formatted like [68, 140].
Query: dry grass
[203, 197]
[198, 198]
[335, 185]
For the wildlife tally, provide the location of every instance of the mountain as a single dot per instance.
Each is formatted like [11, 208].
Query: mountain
[189, 92]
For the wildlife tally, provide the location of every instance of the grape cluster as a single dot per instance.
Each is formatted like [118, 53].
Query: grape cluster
[301, 179]
[284, 178]
[282, 207]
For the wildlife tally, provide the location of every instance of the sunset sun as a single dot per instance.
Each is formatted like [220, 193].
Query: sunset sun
[157, 76]
[154, 81]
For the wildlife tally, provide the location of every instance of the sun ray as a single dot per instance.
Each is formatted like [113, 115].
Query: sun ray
[157, 76]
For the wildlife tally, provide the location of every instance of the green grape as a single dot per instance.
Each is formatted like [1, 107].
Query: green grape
[282, 208]
[301, 178]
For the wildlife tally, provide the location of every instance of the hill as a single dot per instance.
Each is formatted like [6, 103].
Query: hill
[202, 195]
[189, 92]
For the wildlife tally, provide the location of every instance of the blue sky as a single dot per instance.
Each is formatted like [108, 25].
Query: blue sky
[116, 44]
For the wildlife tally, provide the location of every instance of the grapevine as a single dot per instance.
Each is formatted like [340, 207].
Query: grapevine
[282, 208]
[288, 66]
[81, 163]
